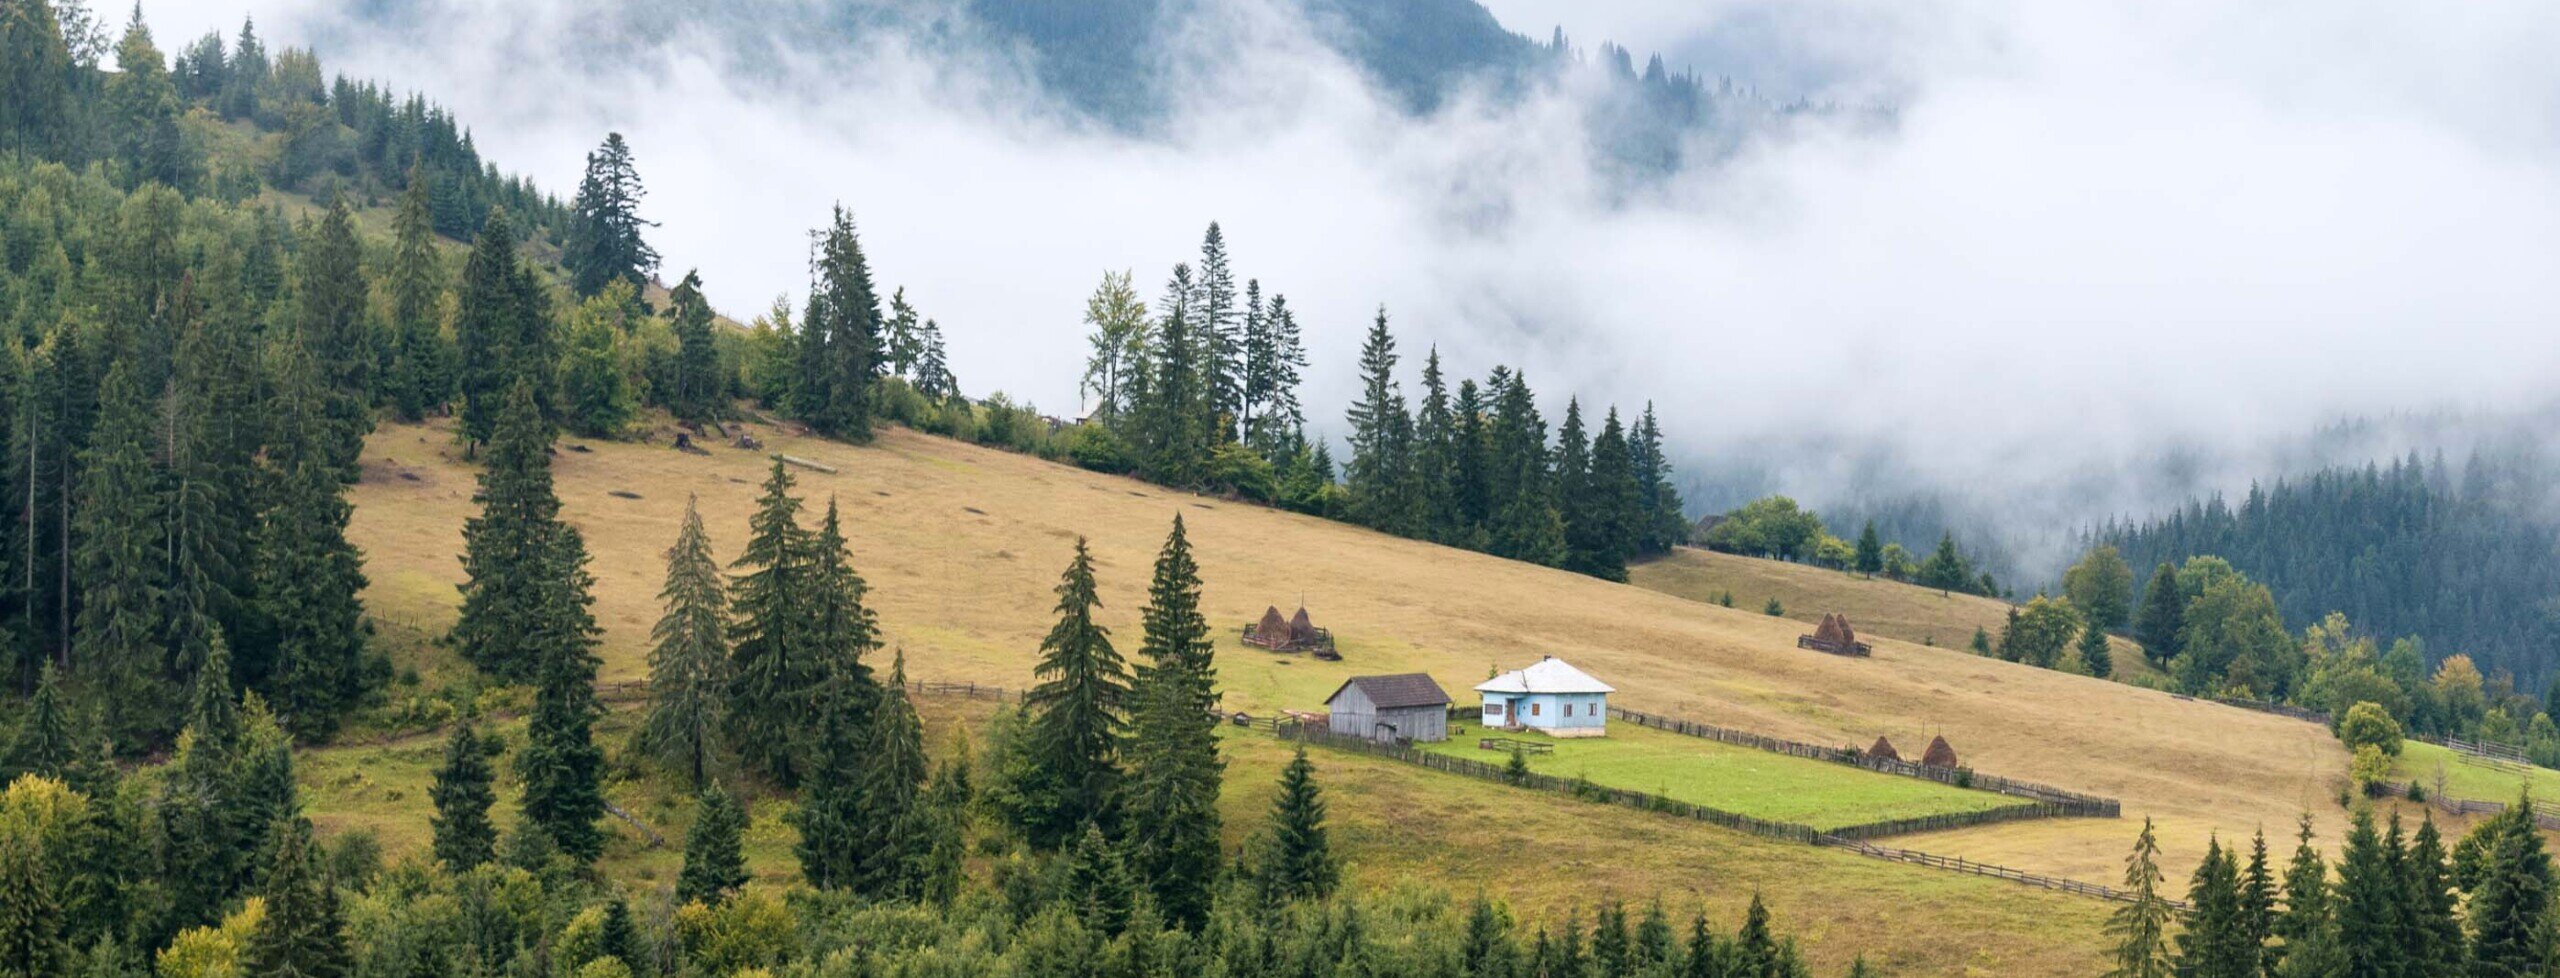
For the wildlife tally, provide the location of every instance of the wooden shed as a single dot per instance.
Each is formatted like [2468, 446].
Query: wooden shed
[1406, 707]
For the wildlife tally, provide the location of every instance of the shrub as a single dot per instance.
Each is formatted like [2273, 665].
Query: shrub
[2417, 792]
[2371, 769]
[2368, 725]
[1774, 609]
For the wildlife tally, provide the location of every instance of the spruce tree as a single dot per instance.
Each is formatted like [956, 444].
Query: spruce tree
[206, 834]
[2309, 924]
[307, 575]
[1297, 861]
[2214, 942]
[1219, 332]
[829, 818]
[1097, 883]
[501, 329]
[421, 360]
[208, 437]
[772, 664]
[1616, 504]
[562, 767]
[1381, 436]
[1665, 521]
[699, 388]
[510, 547]
[2370, 903]
[896, 827]
[689, 662]
[2094, 652]
[2509, 908]
[605, 242]
[1172, 424]
[304, 932]
[2434, 925]
[2162, 616]
[2258, 897]
[464, 836]
[331, 322]
[43, 744]
[2140, 928]
[31, 939]
[842, 629]
[714, 865]
[840, 336]
[1172, 798]
[1434, 467]
[1870, 557]
[117, 649]
[1076, 715]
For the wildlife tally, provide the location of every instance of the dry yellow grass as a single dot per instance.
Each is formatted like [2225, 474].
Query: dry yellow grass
[962, 546]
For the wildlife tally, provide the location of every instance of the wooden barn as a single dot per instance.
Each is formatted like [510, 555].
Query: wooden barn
[1406, 707]
[1294, 634]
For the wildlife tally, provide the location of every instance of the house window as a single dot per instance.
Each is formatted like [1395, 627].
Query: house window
[1493, 709]
[1537, 709]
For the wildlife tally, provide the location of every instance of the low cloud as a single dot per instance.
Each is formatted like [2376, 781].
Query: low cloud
[2095, 235]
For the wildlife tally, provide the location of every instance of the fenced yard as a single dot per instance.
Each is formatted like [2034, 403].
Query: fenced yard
[1756, 783]
[2471, 777]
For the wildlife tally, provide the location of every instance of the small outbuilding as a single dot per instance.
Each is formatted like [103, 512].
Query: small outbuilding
[1550, 697]
[1406, 707]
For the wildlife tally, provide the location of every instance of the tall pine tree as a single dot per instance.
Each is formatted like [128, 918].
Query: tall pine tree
[1076, 716]
[772, 666]
[1172, 797]
[689, 664]
[464, 836]
[605, 242]
[308, 576]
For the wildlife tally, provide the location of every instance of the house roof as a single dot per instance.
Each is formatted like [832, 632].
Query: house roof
[1550, 675]
[1395, 692]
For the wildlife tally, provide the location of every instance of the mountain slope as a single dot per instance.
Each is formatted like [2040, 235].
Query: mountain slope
[962, 545]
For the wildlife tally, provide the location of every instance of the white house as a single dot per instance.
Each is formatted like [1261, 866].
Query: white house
[1551, 697]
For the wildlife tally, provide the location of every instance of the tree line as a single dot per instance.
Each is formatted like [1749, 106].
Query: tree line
[2459, 561]
[1202, 392]
[1777, 528]
[2394, 903]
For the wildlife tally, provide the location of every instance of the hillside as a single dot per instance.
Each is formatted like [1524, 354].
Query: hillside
[1878, 607]
[961, 546]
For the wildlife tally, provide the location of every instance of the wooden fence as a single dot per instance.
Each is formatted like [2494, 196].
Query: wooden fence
[1961, 865]
[1507, 744]
[2545, 814]
[2050, 801]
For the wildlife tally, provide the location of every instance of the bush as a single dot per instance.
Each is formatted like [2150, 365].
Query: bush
[1774, 609]
[2368, 725]
[2371, 769]
[2417, 793]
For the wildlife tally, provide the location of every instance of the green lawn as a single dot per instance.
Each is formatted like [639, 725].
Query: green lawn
[1740, 780]
[2469, 780]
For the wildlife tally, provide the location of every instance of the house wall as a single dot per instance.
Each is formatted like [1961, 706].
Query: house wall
[1569, 713]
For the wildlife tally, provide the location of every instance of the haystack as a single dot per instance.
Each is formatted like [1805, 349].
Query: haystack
[1883, 750]
[1302, 630]
[1939, 755]
[1272, 628]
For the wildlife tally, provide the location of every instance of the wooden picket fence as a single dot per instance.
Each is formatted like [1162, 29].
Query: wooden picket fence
[2050, 801]
[1958, 864]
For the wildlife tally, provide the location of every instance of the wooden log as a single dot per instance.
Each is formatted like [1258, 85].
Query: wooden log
[810, 464]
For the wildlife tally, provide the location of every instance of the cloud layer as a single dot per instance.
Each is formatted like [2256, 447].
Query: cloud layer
[2097, 233]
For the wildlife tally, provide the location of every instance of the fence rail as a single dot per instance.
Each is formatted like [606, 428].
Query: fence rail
[1959, 864]
[2051, 801]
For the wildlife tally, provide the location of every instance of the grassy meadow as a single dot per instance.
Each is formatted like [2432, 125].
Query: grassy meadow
[2462, 777]
[1735, 779]
[962, 547]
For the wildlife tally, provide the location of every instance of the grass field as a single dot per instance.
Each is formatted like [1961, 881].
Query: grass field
[2467, 779]
[1735, 779]
[962, 546]
[1876, 606]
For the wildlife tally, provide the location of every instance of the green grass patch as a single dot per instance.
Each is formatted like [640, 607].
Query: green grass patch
[2467, 779]
[1757, 783]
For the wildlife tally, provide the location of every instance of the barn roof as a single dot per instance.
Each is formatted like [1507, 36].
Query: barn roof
[1395, 692]
[1549, 675]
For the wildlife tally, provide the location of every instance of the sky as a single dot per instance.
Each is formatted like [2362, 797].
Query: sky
[2097, 234]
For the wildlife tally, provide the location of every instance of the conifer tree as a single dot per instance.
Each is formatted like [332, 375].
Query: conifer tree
[464, 836]
[1666, 525]
[421, 360]
[1076, 715]
[510, 547]
[831, 806]
[43, 744]
[2434, 926]
[501, 330]
[2370, 903]
[562, 767]
[840, 336]
[2214, 942]
[307, 575]
[842, 628]
[699, 388]
[714, 865]
[605, 242]
[117, 646]
[1381, 439]
[896, 827]
[1172, 424]
[303, 932]
[2140, 928]
[1275, 361]
[31, 912]
[1527, 526]
[142, 111]
[2509, 908]
[772, 664]
[2162, 616]
[689, 664]
[1615, 504]
[2258, 908]
[1097, 883]
[210, 427]
[331, 302]
[1219, 332]
[1297, 861]
[205, 834]
[1171, 806]
[2094, 652]
[933, 366]
[2309, 923]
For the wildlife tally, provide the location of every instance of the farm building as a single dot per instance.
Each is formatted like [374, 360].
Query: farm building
[1401, 707]
[1550, 696]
